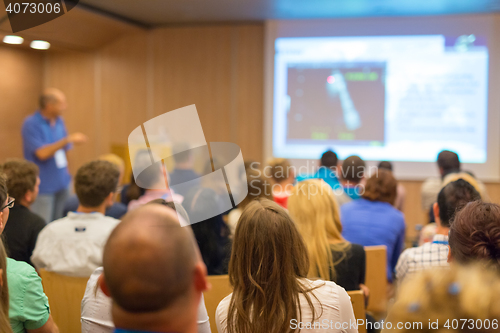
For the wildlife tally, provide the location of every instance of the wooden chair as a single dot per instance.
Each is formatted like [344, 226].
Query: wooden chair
[220, 289]
[376, 278]
[358, 305]
[65, 295]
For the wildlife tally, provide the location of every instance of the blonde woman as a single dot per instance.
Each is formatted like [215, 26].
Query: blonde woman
[460, 299]
[268, 270]
[4, 292]
[315, 211]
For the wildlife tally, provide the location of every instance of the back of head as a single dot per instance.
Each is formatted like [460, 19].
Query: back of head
[448, 162]
[94, 181]
[21, 177]
[149, 260]
[280, 169]
[475, 234]
[353, 169]
[4, 292]
[267, 257]
[439, 297]
[382, 186]
[453, 197]
[385, 165]
[329, 159]
[115, 160]
[316, 214]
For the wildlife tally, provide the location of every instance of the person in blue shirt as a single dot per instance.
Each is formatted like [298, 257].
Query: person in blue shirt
[327, 170]
[372, 219]
[45, 143]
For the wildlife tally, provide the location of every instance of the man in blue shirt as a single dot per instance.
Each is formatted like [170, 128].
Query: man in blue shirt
[45, 142]
[327, 170]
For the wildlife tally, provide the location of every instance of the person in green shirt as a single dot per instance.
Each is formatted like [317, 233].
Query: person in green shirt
[28, 306]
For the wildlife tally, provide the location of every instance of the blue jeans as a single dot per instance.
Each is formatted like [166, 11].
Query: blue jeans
[50, 206]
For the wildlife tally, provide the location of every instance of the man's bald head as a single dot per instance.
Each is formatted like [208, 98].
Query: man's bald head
[53, 101]
[149, 260]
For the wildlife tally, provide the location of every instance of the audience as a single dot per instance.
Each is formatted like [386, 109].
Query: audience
[117, 209]
[401, 192]
[316, 215]
[451, 199]
[96, 306]
[212, 234]
[460, 299]
[372, 219]
[268, 271]
[328, 165]
[283, 178]
[258, 187]
[73, 245]
[28, 306]
[156, 284]
[475, 235]
[131, 191]
[4, 292]
[353, 172]
[183, 171]
[21, 233]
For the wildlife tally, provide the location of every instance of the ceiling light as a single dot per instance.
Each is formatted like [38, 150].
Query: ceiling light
[40, 45]
[10, 39]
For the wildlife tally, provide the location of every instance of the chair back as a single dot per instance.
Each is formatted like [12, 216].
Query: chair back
[358, 305]
[376, 278]
[220, 289]
[65, 294]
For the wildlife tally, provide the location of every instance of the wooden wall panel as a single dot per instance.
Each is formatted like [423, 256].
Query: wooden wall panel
[75, 74]
[21, 79]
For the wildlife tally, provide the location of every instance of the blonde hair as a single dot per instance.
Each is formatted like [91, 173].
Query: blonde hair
[448, 296]
[4, 293]
[315, 211]
[280, 169]
[115, 160]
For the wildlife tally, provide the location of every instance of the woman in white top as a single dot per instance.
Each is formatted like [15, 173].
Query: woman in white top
[271, 293]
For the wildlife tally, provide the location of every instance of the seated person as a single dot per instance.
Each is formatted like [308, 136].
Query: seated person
[475, 235]
[183, 171]
[372, 219]
[401, 193]
[451, 199]
[117, 209]
[316, 213]
[73, 245]
[28, 306]
[96, 307]
[268, 271]
[157, 285]
[154, 178]
[21, 233]
[328, 165]
[352, 174]
[441, 300]
[283, 177]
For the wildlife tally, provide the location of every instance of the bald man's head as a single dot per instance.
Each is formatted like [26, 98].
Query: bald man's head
[53, 102]
[149, 260]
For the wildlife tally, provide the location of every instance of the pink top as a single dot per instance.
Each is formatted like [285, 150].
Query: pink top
[149, 195]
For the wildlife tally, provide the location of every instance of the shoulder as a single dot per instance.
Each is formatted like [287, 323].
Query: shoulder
[19, 269]
[222, 308]
[357, 250]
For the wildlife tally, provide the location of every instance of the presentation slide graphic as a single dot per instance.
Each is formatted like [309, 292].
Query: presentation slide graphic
[156, 144]
[342, 103]
[399, 98]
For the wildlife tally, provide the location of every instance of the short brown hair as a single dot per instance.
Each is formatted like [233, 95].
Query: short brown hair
[382, 186]
[21, 177]
[475, 234]
[280, 169]
[353, 169]
[94, 181]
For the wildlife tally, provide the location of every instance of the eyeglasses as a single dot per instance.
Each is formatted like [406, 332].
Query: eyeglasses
[9, 204]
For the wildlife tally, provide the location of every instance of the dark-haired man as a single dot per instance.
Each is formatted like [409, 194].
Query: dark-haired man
[156, 285]
[327, 170]
[451, 198]
[353, 172]
[73, 245]
[21, 233]
[45, 142]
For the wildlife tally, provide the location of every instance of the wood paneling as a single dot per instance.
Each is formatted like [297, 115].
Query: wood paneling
[21, 79]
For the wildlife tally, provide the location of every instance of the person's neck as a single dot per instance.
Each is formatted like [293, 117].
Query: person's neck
[50, 117]
[24, 203]
[440, 230]
[87, 210]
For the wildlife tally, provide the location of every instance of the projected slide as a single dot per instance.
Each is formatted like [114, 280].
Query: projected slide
[384, 98]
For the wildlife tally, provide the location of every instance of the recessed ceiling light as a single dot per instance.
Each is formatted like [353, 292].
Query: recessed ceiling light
[10, 39]
[40, 45]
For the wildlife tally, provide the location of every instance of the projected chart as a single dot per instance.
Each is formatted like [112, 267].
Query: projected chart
[401, 98]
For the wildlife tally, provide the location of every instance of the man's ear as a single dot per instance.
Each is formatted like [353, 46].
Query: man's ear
[102, 284]
[435, 210]
[450, 258]
[200, 277]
